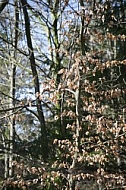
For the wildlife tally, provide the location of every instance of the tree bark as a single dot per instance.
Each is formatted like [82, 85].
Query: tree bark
[82, 29]
[12, 91]
[44, 144]
[77, 133]
[2, 6]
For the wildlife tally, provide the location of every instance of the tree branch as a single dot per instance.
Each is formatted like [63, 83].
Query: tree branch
[3, 4]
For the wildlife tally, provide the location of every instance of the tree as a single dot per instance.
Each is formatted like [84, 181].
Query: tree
[36, 83]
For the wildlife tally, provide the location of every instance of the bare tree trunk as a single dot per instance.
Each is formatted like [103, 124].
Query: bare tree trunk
[57, 58]
[44, 142]
[82, 29]
[12, 92]
[5, 156]
[2, 6]
[77, 133]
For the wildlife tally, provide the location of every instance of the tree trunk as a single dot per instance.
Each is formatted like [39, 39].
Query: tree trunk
[44, 142]
[77, 133]
[12, 92]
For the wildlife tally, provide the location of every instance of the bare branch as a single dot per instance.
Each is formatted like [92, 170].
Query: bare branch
[3, 4]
